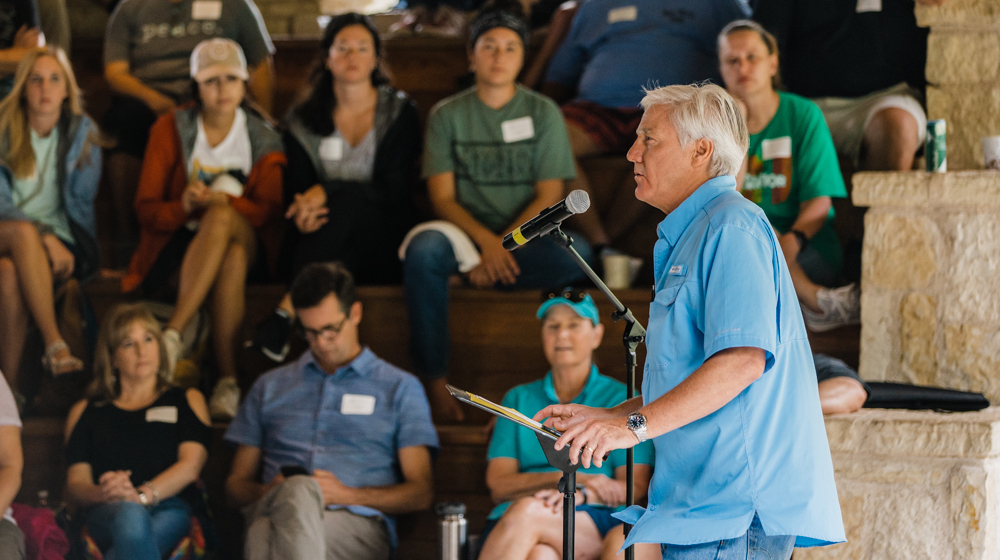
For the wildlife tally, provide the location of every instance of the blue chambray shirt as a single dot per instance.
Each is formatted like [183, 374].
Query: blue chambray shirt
[293, 415]
[722, 282]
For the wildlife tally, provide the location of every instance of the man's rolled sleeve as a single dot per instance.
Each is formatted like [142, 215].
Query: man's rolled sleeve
[740, 292]
[246, 428]
[415, 425]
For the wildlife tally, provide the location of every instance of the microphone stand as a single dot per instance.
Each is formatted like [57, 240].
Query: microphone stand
[634, 335]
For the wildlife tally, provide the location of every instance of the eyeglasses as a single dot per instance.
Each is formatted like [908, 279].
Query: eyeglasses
[570, 293]
[328, 332]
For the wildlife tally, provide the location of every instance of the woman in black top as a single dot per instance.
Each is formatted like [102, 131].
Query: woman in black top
[135, 447]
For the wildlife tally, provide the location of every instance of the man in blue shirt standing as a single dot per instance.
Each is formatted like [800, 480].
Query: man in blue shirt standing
[357, 429]
[729, 399]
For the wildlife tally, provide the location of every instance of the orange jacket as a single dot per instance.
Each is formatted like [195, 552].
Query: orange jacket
[164, 178]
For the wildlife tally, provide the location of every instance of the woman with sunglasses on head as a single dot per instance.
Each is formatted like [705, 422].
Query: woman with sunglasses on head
[136, 445]
[352, 147]
[210, 182]
[50, 166]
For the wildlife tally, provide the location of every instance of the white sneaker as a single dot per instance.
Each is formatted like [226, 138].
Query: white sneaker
[225, 400]
[841, 307]
[173, 346]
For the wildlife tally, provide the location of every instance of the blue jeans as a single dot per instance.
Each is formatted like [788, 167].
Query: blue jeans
[128, 531]
[430, 261]
[754, 545]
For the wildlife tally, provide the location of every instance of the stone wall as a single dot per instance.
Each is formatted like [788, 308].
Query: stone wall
[963, 74]
[298, 18]
[916, 485]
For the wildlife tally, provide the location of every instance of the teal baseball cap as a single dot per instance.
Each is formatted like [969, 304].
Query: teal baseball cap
[578, 300]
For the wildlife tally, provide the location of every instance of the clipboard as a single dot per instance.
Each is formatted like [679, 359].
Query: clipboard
[503, 412]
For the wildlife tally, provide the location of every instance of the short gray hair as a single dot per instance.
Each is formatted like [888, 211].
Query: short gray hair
[705, 111]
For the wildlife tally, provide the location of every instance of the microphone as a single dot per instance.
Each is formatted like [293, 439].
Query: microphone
[547, 220]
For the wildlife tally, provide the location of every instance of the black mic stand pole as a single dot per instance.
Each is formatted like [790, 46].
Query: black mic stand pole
[634, 335]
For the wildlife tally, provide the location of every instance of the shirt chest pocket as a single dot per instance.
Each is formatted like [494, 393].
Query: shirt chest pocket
[668, 295]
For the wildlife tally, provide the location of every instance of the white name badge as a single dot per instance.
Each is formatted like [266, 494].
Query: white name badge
[166, 414]
[206, 9]
[331, 149]
[516, 130]
[868, 6]
[625, 13]
[678, 270]
[361, 405]
[776, 148]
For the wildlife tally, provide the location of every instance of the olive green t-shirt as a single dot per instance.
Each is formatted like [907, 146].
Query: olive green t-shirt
[497, 155]
[791, 161]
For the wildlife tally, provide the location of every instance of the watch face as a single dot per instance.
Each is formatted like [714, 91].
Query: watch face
[636, 421]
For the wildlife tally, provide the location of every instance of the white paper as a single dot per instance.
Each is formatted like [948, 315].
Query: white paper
[868, 6]
[777, 148]
[516, 130]
[362, 405]
[166, 414]
[206, 9]
[331, 148]
[625, 13]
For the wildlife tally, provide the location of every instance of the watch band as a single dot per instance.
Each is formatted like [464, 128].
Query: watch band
[802, 239]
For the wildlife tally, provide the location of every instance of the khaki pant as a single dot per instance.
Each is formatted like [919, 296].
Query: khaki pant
[11, 541]
[290, 523]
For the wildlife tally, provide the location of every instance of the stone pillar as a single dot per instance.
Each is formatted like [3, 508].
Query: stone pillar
[963, 74]
[916, 485]
[930, 304]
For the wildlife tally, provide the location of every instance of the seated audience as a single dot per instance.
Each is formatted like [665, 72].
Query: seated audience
[614, 48]
[20, 35]
[135, 447]
[791, 173]
[496, 155]
[527, 523]
[11, 465]
[147, 52]
[333, 445]
[51, 165]
[353, 147]
[863, 64]
[211, 180]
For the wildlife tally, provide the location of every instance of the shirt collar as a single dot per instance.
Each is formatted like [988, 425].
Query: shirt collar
[361, 365]
[550, 388]
[671, 228]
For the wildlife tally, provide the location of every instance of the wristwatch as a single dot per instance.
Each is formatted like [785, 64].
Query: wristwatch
[144, 499]
[637, 423]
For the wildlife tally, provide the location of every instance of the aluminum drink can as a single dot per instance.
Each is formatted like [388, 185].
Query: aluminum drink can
[936, 149]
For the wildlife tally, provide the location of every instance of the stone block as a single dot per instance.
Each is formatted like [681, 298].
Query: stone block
[278, 25]
[972, 112]
[960, 56]
[918, 318]
[288, 9]
[914, 434]
[970, 290]
[852, 508]
[894, 188]
[859, 469]
[971, 364]
[306, 25]
[910, 525]
[879, 358]
[970, 13]
[979, 188]
[899, 251]
[968, 510]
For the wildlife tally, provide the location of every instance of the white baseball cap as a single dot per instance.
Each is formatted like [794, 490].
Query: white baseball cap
[218, 57]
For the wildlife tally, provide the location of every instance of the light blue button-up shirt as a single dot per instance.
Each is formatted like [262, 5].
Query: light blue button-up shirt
[722, 282]
[295, 415]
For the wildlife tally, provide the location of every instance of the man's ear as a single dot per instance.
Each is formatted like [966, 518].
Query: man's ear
[356, 312]
[702, 154]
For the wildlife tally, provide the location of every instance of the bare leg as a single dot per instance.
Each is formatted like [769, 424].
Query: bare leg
[13, 322]
[20, 242]
[228, 304]
[219, 227]
[891, 140]
[614, 540]
[839, 395]
[589, 223]
[528, 523]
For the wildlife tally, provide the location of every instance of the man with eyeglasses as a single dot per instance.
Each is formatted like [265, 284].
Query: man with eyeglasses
[342, 439]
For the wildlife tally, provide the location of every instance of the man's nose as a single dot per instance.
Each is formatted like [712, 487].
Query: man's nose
[635, 152]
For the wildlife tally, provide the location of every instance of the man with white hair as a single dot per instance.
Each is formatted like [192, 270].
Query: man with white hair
[743, 464]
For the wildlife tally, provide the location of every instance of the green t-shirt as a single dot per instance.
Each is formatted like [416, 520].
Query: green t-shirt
[791, 161]
[513, 441]
[497, 155]
[39, 195]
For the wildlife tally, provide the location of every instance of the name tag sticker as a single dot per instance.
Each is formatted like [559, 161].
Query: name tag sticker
[868, 6]
[777, 148]
[166, 414]
[331, 149]
[678, 270]
[206, 9]
[625, 13]
[361, 405]
[516, 130]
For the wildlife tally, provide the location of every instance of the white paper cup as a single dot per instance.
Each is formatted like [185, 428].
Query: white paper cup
[991, 152]
[616, 271]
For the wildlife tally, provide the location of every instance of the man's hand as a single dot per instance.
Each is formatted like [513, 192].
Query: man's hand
[498, 263]
[562, 416]
[29, 38]
[335, 493]
[591, 440]
[195, 196]
[60, 257]
[116, 486]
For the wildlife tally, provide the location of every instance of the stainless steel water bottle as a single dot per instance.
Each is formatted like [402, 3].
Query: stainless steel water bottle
[452, 531]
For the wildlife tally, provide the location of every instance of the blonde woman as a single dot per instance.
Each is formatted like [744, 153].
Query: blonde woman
[50, 165]
[136, 445]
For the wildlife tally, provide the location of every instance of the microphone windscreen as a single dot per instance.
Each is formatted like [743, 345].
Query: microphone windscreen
[578, 201]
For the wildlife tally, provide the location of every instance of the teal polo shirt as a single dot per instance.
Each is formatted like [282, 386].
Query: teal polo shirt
[515, 442]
